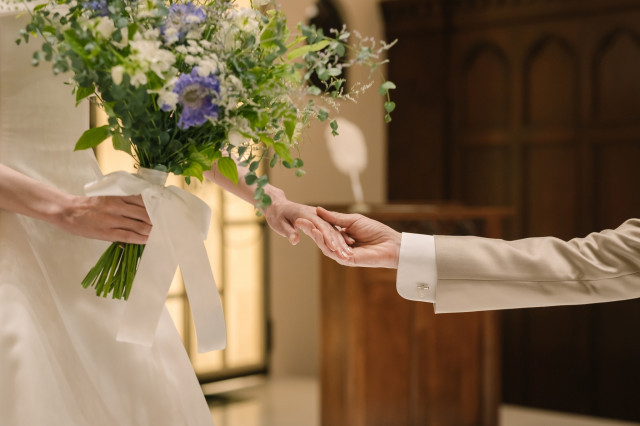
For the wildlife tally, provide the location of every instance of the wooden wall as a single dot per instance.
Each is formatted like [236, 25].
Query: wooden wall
[534, 104]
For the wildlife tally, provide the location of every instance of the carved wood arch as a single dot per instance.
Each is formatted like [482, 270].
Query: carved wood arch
[551, 66]
[485, 72]
[615, 82]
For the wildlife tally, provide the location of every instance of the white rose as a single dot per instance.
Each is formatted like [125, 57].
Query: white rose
[106, 27]
[116, 74]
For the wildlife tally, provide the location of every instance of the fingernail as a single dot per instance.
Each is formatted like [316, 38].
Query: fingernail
[292, 238]
[333, 244]
[350, 250]
[344, 254]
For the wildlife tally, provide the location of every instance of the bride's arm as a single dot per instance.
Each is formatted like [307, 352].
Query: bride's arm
[105, 218]
[282, 213]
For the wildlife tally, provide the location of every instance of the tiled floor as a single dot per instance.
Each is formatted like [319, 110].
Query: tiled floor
[294, 402]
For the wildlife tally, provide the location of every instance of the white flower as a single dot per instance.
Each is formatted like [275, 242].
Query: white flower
[191, 60]
[124, 42]
[207, 66]
[194, 48]
[194, 34]
[168, 99]
[116, 74]
[259, 3]
[105, 27]
[246, 20]
[150, 55]
[138, 78]
[171, 35]
[235, 138]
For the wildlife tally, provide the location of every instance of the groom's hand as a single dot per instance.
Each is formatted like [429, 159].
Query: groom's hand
[282, 215]
[374, 244]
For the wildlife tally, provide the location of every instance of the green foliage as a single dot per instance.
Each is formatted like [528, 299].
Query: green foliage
[228, 169]
[264, 69]
[92, 138]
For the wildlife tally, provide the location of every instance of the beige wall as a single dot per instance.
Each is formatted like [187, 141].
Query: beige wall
[295, 270]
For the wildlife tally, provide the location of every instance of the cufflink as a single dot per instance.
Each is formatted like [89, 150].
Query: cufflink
[422, 290]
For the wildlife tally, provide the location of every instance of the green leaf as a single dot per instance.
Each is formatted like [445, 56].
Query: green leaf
[268, 141]
[250, 178]
[283, 151]
[313, 90]
[273, 161]
[72, 40]
[92, 138]
[194, 169]
[385, 87]
[389, 106]
[228, 169]
[334, 127]
[301, 51]
[120, 143]
[323, 114]
[290, 128]
[82, 93]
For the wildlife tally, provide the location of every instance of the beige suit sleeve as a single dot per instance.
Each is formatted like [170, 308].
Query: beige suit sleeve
[483, 274]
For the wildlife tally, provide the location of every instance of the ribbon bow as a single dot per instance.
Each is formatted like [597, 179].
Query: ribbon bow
[180, 225]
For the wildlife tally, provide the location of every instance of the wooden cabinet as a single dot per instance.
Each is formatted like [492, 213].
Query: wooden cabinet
[389, 361]
[533, 104]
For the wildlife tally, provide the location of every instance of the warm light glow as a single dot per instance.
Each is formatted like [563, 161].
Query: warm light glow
[243, 3]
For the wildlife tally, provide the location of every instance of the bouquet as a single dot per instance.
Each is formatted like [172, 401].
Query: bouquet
[190, 85]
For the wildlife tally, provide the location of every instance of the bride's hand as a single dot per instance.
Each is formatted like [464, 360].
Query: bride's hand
[109, 218]
[282, 214]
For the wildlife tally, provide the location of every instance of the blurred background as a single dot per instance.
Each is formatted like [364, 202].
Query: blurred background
[532, 106]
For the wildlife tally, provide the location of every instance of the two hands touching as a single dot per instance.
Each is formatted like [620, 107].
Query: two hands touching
[371, 243]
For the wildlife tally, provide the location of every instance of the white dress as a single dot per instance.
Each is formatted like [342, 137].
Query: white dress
[60, 363]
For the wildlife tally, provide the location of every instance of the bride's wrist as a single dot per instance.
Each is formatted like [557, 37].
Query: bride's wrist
[277, 195]
[61, 211]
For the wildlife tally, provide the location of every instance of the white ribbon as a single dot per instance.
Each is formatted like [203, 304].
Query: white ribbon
[180, 225]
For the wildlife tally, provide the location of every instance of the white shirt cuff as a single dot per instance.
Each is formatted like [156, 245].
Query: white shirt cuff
[417, 274]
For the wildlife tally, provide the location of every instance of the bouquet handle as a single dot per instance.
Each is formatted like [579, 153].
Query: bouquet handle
[180, 224]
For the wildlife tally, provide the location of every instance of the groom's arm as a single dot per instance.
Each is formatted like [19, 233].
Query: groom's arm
[483, 274]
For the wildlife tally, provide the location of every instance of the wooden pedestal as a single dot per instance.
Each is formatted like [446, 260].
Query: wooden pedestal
[393, 362]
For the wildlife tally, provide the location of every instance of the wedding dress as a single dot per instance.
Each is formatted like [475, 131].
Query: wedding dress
[60, 363]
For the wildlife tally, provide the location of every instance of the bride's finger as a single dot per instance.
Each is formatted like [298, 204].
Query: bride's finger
[133, 199]
[134, 211]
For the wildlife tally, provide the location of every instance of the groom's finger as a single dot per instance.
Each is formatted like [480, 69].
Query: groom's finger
[340, 219]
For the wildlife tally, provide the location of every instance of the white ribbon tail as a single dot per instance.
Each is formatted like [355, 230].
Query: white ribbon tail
[149, 291]
[180, 224]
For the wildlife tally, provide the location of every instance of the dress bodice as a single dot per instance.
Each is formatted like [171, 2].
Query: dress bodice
[39, 122]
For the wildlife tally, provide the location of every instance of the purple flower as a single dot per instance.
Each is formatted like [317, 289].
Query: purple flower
[100, 7]
[182, 18]
[197, 96]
